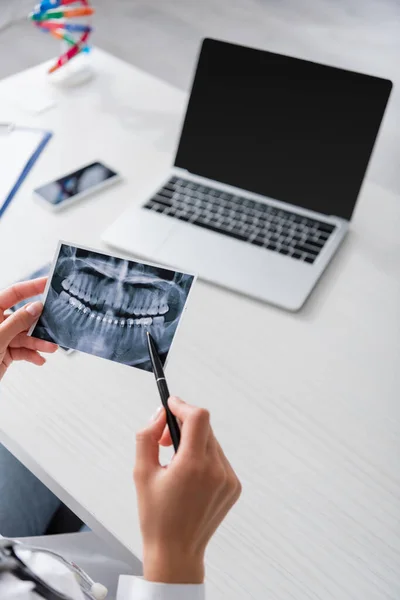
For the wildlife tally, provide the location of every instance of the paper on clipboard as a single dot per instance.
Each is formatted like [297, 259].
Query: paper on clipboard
[19, 148]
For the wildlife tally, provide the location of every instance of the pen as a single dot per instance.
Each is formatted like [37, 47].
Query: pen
[164, 392]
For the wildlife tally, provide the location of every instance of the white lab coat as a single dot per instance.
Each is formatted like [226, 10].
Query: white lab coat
[130, 588]
[93, 556]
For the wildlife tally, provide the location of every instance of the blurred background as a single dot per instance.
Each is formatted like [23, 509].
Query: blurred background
[162, 37]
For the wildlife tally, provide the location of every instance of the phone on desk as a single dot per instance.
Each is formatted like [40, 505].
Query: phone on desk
[70, 188]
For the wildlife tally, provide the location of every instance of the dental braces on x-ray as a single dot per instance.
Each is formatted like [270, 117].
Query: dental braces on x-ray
[104, 305]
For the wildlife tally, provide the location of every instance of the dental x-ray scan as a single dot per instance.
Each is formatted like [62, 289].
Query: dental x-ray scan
[104, 305]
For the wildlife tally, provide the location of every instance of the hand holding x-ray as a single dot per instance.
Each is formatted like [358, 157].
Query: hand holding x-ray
[103, 305]
[14, 343]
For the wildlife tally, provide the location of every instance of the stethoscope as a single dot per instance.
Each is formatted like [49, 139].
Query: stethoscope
[12, 563]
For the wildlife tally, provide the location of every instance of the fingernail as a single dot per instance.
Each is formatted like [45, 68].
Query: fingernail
[156, 414]
[34, 309]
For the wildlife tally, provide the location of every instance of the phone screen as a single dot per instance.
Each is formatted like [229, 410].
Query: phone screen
[75, 183]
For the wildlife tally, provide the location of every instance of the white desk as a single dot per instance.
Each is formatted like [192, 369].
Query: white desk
[306, 406]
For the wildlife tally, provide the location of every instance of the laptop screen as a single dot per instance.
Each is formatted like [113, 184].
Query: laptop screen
[290, 129]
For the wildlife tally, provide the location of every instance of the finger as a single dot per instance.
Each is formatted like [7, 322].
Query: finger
[165, 439]
[147, 448]
[27, 355]
[18, 322]
[195, 428]
[20, 291]
[23, 341]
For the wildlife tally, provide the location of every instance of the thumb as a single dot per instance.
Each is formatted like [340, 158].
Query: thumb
[20, 321]
[147, 446]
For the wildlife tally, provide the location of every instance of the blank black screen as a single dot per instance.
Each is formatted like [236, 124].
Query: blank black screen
[286, 128]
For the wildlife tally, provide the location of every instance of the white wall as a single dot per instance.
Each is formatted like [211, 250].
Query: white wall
[12, 10]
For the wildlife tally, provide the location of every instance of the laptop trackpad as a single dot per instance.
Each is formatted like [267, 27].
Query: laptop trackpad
[216, 257]
[237, 265]
[139, 231]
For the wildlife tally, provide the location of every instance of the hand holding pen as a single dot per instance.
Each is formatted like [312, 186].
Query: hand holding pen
[181, 505]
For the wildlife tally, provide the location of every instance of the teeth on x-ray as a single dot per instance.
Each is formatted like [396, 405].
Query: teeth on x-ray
[104, 305]
[83, 300]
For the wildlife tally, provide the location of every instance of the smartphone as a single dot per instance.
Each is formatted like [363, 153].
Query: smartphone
[62, 192]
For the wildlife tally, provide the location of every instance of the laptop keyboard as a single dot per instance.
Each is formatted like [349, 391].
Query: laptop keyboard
[238, 217]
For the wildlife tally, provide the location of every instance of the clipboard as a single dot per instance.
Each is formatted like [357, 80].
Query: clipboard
[19, 149]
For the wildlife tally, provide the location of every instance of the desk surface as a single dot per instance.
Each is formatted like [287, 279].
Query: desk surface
[305, 405]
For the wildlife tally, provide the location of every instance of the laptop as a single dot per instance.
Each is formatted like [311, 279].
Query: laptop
[270, 162]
